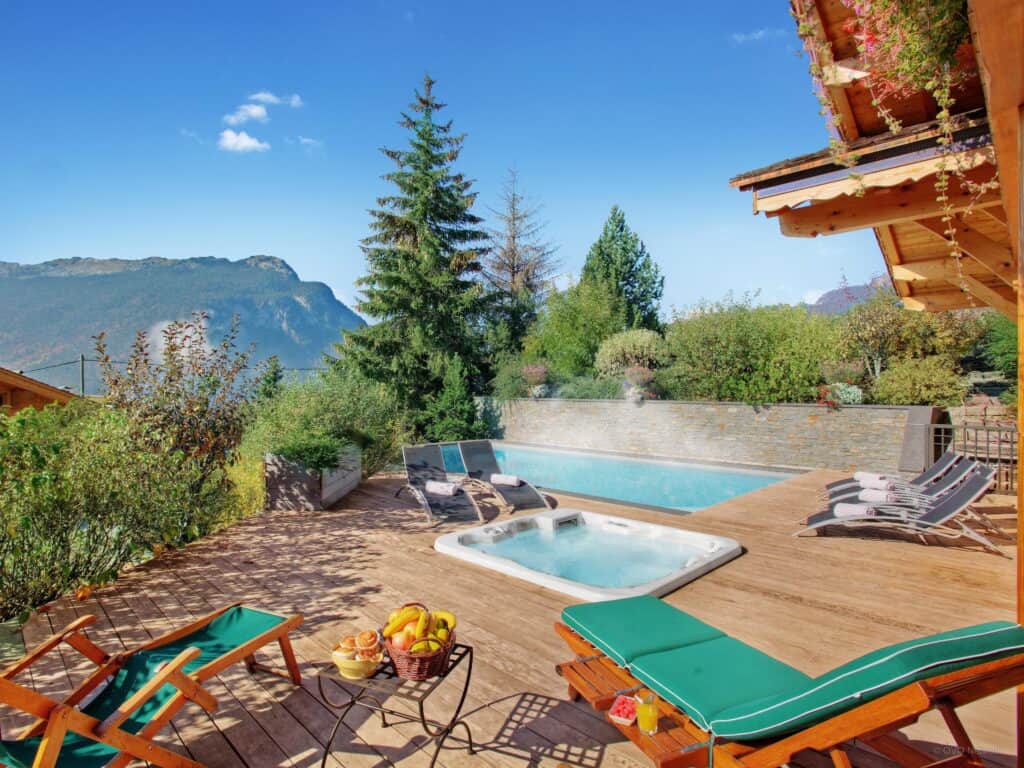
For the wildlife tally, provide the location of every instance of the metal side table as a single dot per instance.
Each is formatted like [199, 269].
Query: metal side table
[385, 683]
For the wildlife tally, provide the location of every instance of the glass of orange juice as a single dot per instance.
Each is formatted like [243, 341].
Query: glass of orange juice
[647, 714]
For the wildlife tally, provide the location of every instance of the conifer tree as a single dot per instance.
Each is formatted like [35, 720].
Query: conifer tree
[620, 259]
[421, 255]
[518, 267]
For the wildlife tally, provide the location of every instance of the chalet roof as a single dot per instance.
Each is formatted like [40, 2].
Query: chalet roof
[891, 187]
[15, 380]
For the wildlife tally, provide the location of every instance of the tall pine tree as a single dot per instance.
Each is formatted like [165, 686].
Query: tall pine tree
[518, 267]
[421, 255]
[620, 259]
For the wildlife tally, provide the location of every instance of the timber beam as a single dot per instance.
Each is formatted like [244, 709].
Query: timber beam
[996, 258]
[881, 206]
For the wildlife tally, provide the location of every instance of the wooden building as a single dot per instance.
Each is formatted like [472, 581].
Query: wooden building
[19, 391]
[891, 190]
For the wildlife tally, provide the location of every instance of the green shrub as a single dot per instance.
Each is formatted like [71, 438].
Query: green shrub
[920, 381]
[999, 344]
[590, 388]
[340, 407]
[629, 349]
[314, 452]
[452, 414]
[735, 351]
[573, 325]
[509, 382]
[81, 496]
[846, 394]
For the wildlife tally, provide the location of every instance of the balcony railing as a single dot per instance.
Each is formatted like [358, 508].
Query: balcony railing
[992, 444]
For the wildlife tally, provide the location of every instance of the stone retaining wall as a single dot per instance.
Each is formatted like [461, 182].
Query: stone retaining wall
[797, 436]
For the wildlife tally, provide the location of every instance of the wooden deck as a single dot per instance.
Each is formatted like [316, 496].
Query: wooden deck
[812, 602]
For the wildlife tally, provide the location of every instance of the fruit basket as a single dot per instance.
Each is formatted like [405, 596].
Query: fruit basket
[419, 641]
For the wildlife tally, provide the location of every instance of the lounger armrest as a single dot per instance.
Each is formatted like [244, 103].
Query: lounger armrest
[72, 635]
[171, 673]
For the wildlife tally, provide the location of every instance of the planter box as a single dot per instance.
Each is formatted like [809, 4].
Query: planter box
[292, 486]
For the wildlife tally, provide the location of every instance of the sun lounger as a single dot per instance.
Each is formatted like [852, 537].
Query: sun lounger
[725, 703]
[481, 463]
[917, 495]
[945, 518]
[946, 462]
[144, 689]
[425, 464]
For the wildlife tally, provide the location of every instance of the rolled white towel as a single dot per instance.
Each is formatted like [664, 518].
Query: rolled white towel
[875, 496]
[500, 479]
[861, 476]
[878, 485]
[844, 509]
[437, 488]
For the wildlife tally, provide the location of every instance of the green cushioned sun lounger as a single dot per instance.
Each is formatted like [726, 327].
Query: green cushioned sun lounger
[132, 704]
[736, 693]
[612, 627]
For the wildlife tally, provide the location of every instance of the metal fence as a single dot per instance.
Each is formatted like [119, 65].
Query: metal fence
[992, 444]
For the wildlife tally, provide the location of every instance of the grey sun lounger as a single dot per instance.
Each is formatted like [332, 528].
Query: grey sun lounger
[944, 519]
[946, 461]
[424, 463]
[480, 462]
[917, 495]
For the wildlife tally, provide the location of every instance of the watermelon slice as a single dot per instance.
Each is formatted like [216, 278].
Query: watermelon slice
[623, 711]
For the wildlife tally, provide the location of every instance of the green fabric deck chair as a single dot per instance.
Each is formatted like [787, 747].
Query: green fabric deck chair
[112, 717]
[755, 711]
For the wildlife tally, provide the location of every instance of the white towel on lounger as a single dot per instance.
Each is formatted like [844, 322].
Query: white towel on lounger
[844, 509]
[861, 476]
[878, 485]
[875, 496]
[500, 479]
[437, 488]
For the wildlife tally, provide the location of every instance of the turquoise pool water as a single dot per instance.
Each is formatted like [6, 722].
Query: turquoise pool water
[683, 487]
[592, 555]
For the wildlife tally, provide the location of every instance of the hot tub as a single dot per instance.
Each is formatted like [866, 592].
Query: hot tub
[591, 556]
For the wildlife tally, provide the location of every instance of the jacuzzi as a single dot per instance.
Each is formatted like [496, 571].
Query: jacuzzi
[591, 556]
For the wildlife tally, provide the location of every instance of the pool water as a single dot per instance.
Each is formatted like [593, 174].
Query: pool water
[669, 484]
[591, 555]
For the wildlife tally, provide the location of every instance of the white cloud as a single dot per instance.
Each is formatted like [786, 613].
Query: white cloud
[765, 33]
[266, 97]
[812, 296]
[311, 143]
[247, 112]
[230, 141]
[191, 135]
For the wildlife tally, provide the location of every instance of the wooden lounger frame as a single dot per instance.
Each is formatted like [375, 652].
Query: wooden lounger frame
[54, 719]
[681, 743]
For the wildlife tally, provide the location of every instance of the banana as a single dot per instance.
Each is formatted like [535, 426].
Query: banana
[425, 645]
[402, 618]
[442, 635]
[423, 625]
[447, 617]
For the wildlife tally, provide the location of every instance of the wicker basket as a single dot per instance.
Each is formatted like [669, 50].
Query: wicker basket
[420, 666]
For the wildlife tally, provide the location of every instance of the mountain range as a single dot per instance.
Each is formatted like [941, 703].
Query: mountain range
[838, 301]
[51, 312]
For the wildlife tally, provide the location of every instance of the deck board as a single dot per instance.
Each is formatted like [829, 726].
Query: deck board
[812, 602]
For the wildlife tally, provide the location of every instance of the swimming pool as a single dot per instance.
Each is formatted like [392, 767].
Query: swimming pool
[670, 484]
[591, 556]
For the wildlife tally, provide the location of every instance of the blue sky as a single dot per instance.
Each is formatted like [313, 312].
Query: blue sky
[114, 140]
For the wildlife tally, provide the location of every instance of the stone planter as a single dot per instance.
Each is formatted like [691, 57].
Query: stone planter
[292, 486]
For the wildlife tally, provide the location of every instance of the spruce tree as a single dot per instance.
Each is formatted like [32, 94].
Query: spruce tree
[620, 259]
[518, 267]
[421, 256]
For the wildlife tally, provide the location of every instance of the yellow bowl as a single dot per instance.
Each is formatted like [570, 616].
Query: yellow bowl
[356, 669]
